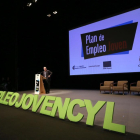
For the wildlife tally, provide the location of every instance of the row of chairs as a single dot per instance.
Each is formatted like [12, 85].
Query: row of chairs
[119, 86]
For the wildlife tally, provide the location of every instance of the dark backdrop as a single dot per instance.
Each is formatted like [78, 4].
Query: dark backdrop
[31, 40]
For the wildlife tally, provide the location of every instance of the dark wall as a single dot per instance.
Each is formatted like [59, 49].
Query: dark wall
[8, 41]
[43, 41]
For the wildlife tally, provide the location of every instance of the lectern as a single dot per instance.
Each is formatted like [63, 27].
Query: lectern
[39, 85]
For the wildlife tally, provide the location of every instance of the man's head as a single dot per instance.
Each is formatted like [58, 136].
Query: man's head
[45, 69]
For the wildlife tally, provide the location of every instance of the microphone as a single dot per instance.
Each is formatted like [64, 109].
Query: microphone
[39, 72]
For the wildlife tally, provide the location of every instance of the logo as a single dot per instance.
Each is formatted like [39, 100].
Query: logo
[78, 67]
[107, 65]
[139, 62]
[37, 85]
[95, 66]
[108, 41]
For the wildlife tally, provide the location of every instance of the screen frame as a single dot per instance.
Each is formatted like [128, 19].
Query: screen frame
[97, 20]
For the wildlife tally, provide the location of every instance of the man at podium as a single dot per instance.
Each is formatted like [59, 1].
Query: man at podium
[47, 74]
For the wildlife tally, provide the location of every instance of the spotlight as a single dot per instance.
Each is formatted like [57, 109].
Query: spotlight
[55, 12]
[29, 4]
[35, 0]
[48, 15]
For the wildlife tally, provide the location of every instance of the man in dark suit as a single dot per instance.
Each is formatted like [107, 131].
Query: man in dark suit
[47, 74]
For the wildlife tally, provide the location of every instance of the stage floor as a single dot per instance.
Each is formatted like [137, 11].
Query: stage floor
[126, 111]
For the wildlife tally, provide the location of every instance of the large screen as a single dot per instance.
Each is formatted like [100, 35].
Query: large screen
[107, 46]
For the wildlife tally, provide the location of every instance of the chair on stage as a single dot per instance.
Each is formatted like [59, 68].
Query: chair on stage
[135, 88]
[106, 86]
[121, 86]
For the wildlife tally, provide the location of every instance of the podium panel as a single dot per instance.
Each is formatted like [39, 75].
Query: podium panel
[39, 85]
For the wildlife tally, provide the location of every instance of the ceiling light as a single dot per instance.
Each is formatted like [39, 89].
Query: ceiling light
[55, 12]
[48, 15]
[29, 4]
[35, 0]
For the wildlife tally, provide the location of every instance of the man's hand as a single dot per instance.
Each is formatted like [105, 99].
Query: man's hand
[48, 75]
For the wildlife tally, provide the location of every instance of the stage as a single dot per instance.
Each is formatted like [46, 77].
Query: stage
[126, 110]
